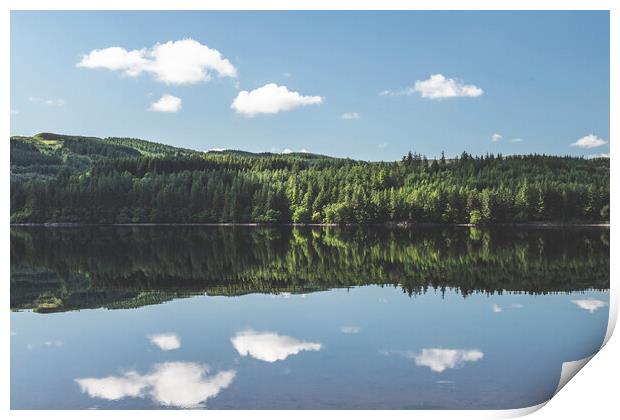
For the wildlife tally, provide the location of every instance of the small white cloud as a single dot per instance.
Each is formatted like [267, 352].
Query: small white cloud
[166, 341]
[167, 103]
[287, 151]
[217, 149]
[270, 346]
[350, 329]
[382, 145]
[172, 384]
[496, 137]
[516, 305]
[174, 62]
[590, 305]
[517, 140]
[350, 116]
[600, 155]
[287, 75]
[438, 87]
[497, 308]
[14, 112]
[48, 102]
[588, 142]
[270, 99]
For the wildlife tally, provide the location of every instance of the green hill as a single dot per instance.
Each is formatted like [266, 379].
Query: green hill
[60, 178]
[268, 155]
[46, 155]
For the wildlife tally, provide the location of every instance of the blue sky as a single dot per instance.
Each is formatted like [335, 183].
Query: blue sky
[368, 85]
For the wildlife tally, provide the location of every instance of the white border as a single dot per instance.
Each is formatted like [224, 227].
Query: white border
[593, 395]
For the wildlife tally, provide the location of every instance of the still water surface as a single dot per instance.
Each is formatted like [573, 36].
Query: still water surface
[248, 317]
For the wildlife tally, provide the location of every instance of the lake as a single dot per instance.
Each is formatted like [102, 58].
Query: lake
[301, 317]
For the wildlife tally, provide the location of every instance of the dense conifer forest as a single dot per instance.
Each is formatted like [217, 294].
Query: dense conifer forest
[71, 179]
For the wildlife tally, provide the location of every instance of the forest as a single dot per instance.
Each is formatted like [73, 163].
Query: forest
[71, 179]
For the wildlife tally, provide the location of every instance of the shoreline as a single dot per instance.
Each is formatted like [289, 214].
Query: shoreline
[385, 224]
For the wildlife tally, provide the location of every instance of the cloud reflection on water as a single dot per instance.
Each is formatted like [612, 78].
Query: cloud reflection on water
[270, 346]
[439, 360]
[590, 305]
[165, 342]
[176, 384]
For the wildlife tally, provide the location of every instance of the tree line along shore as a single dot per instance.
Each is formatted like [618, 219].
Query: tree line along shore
[72, 179]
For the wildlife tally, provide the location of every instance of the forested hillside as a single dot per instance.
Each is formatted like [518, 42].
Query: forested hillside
[57, 178]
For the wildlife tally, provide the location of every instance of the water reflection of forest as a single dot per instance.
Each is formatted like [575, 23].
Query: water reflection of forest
[56, 269]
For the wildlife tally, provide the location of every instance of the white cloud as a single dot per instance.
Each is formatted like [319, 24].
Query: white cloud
[350, 329]
[517, 140]
[590, 305]
[14, 112]
[174, 62]
[217, 149]
[382, 145]
[166, 341]
[496, 137]
[517, 305]
[270, 99]
[287, 74]
[439, 360]
[438, 87]
[600, 155]
[350, 116]
[167, 103]
[53, 343]
[588, 142]
[497, 308]
[174, 384]
[269, 346]
[48, 102]
[403, 92]
[287, 151]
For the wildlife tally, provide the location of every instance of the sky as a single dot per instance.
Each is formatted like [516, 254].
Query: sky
[365, 85]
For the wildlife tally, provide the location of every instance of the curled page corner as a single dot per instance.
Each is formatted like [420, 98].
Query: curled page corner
[519, 412]
[613, 315]
[570, 369]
